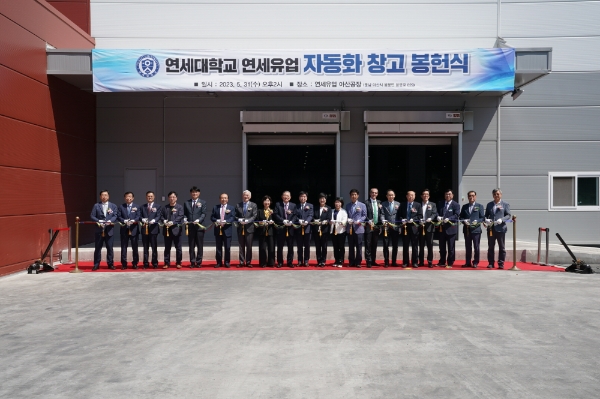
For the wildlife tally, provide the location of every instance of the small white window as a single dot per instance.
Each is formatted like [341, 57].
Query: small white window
[576, 191]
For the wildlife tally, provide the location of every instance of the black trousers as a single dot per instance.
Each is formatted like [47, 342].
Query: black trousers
[196, 245]
[424, 240]
[245, 247]
[392, 236]
[125, 238]
[321, 246]
[103, 241]
[303, 245]
[500, 237]
[371, 240]
[339, 247]
[410, 241]
[355, 244]
[266, 249]
[220, 241]
[472, 242]
[447, 241]
[150, 241]
[170, 241]
[289, 241]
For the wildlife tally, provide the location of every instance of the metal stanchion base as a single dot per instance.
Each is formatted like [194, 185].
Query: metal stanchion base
[76, 271]
[515, 268]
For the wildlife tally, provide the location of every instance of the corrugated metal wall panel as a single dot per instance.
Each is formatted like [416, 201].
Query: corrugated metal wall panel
[337, 2]
[479, 158]
[567, 124]
[560, 89]
[42, 20]
[260, 21]
[77, 11]
[245, 43]
[522, 192]
[568, 54]
[17, 181]
[550, 19]
[485, 127]
[532, 158]
[574, 227]
[22, 51]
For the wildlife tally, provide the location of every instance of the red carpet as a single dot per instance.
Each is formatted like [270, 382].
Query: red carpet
[209, 266]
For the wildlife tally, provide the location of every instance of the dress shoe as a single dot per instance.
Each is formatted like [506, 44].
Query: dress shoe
[500, 266]
[123, 267]
[416, 266]
[217, 265]
[441, 265]
[178, 266]
[394, 264]
[291, 265]
[156, 266]
[449, 267]
[263, 266]
[240, 265]
[279, 265]
[227, 265]
[375, 263]
[249, 265]
[368, 266]
[430, 264]
[145, 267]
[490, 266]
[134, 267]
[358, 266]
[421, 264]
[192, 265]
[95, 268]
[111, 267]
[467, 265]
[474, 266]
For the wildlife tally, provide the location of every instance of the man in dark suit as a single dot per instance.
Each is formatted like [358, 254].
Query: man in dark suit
[104, 213]
[245, 213]
[410, 213]
[448, 210]
[389, 213]
[428, 214]
[497, 213]
[172, 218]
[372, 229]
[357, 215]
[472, 214]
[150, 216]
[129, 217]
[194, 213]
[304, 213]
[285, 215]
[223, 216]
[322, 215]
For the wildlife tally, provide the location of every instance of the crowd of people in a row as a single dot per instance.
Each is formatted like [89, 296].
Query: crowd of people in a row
[291, 225]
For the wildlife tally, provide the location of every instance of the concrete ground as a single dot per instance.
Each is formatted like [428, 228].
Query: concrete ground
[300, 334]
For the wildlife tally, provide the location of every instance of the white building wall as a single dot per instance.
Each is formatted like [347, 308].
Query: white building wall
[551, 127]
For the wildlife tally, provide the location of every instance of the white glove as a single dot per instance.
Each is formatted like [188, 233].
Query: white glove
[245, 221]
[301, 221]
[101, 221]
[145, 220]
[488, 221]
[108, 222]
[428, 220]
[271, 221]
[240, 220]
[197, 221]
[324, 222]
[467, 222]
[410, 221]
[357, 222]
[439, 218]
[184, 220]
[403, 221]
[499, 221]
[446, 220]
[286, 222]
[371, 223]
[152, 221]
[170, 223]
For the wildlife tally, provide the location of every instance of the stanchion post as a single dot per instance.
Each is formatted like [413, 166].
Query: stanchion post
[514, 268]
[76, 270]
[539, 245]
[547, 245]
[51, 263]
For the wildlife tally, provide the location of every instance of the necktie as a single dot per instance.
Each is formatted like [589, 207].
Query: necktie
[408, 209]
[245, 208]
[375, 215]
[194, 206]
[424, 208]
[104, 207]
[471, 209]
[391, 207]
[149, 208]
[222, 212]
[128, 209]
[285, 207]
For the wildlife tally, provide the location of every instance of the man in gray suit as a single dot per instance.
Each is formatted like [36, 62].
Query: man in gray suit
[472, 214]
[429, 213]
[194, 211]
[245, 213]
[497, 213]
[389, 209]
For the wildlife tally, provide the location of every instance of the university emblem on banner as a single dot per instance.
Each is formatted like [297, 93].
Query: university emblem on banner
[147, 65]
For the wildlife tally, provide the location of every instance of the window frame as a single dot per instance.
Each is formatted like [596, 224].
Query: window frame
[574, 208]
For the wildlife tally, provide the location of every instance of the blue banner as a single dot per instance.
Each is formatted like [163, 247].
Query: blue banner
[293, 70]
